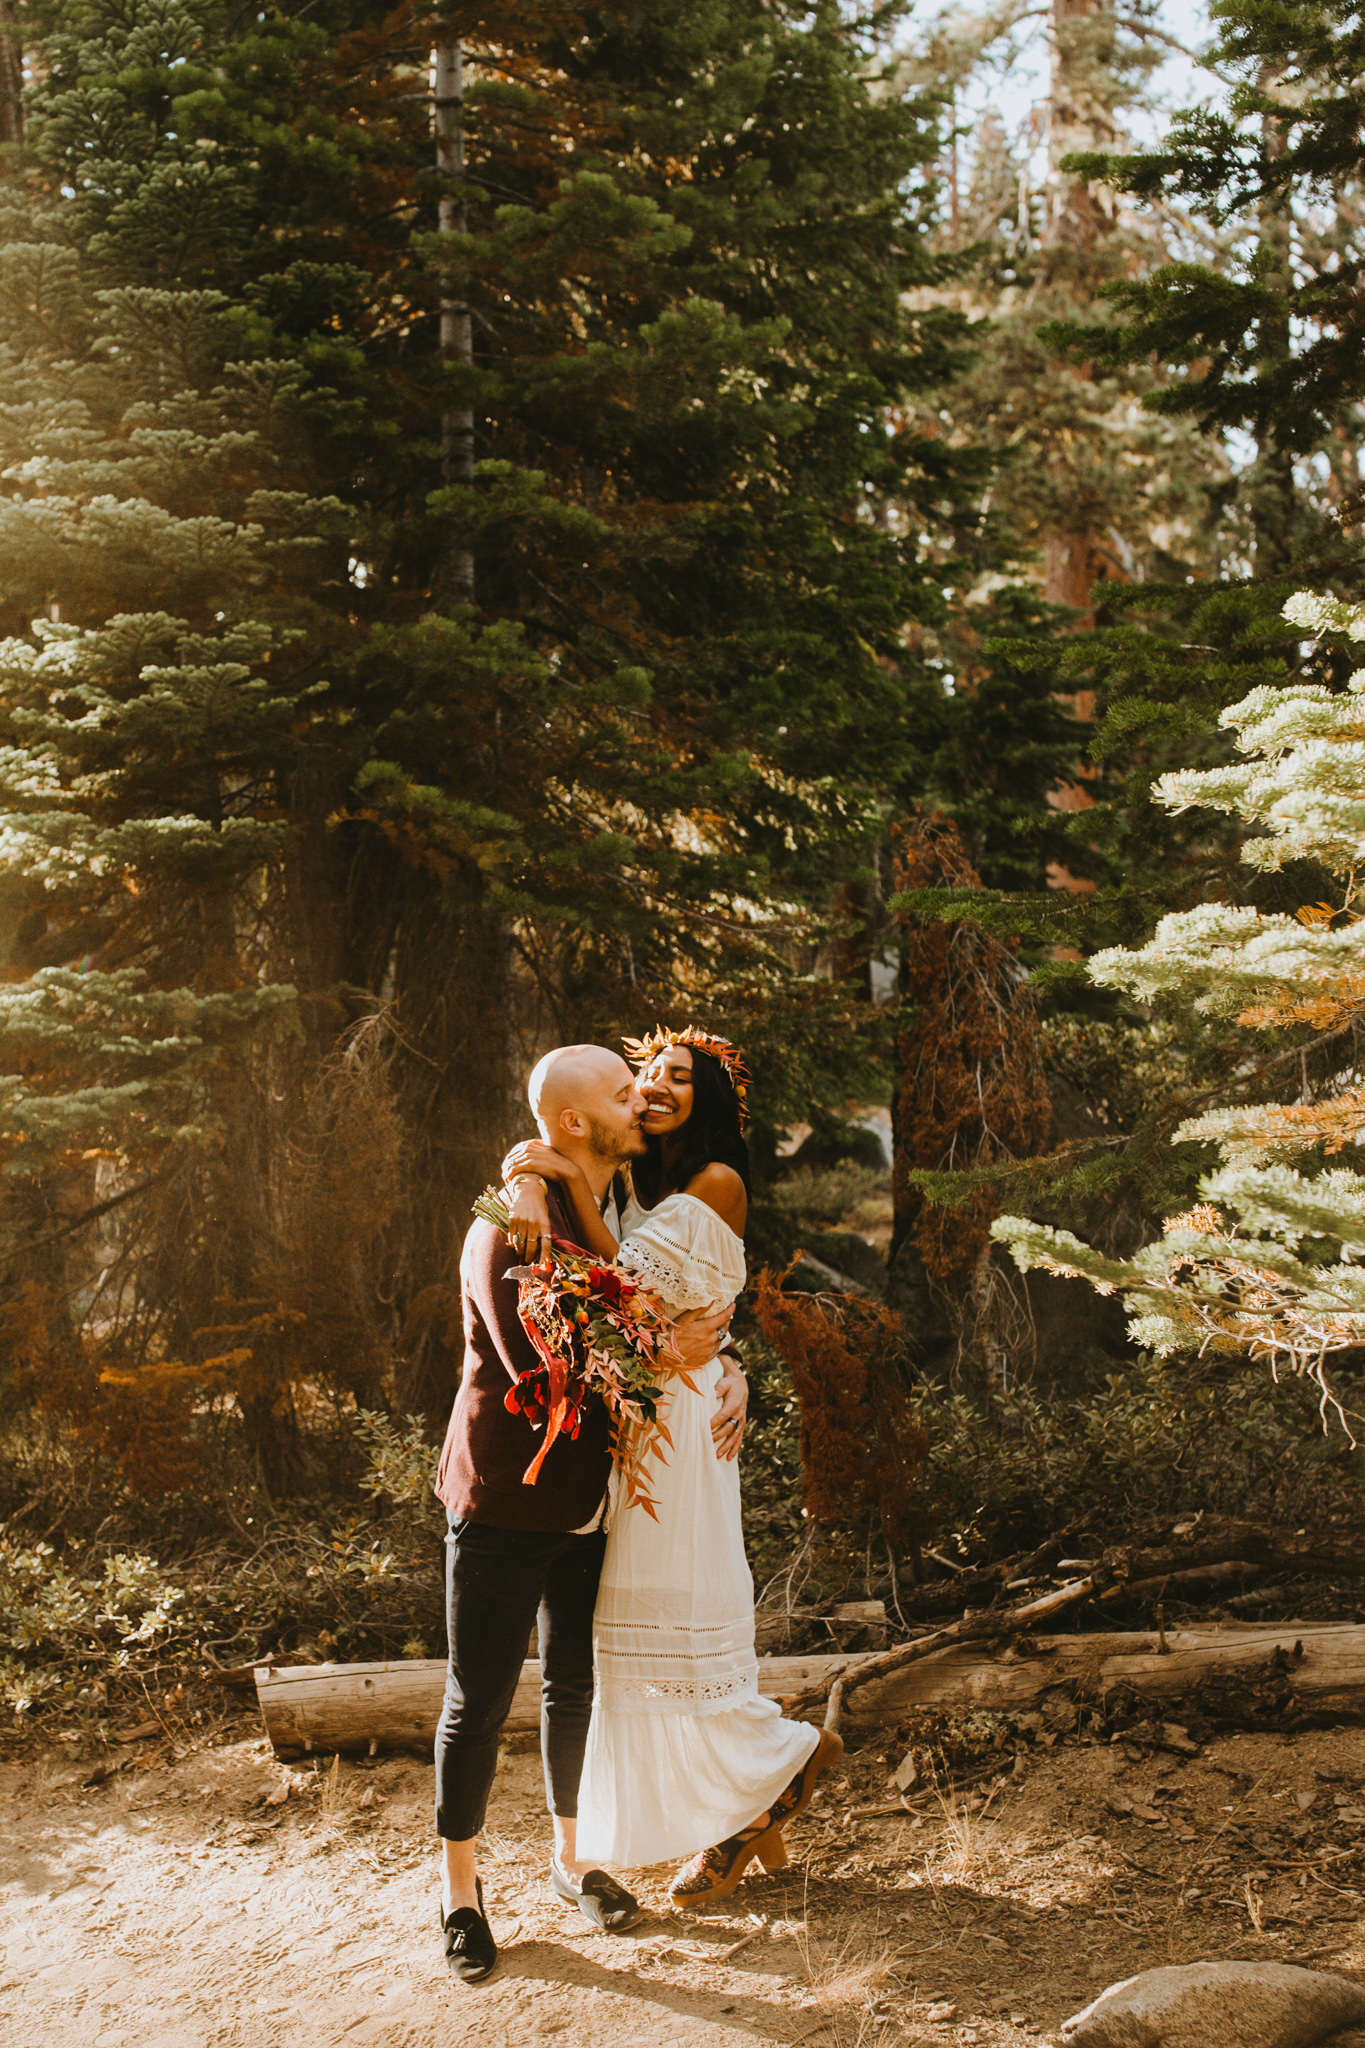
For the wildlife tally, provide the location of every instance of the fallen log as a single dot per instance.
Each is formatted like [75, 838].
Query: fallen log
[972, 1628]
[238, 1677]
[978, 1585]
[308, 1707]
[1239, 1675]
[1208, 1540]
[1199, 1580]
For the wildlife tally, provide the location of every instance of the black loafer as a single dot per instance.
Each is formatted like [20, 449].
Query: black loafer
[601, 1900]
[470, 1949]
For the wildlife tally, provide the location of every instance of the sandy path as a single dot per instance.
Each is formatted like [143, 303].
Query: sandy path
[155, 1910]
[170, 1906]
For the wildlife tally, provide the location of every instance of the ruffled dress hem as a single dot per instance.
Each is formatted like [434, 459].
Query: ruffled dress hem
[732, 1764]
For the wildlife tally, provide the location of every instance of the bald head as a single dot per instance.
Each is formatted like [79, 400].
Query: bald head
[574, 1077]
[589, 1106]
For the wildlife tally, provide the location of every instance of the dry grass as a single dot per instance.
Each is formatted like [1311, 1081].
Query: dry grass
[986, 1917]
[848, 1974]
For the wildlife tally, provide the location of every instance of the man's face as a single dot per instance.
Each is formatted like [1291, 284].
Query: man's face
[614, 1113]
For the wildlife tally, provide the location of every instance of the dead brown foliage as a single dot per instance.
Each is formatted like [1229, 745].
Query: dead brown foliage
[138, 1418]
[861, 1449]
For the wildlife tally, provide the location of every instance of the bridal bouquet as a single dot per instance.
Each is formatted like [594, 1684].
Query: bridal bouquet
[595, 1331]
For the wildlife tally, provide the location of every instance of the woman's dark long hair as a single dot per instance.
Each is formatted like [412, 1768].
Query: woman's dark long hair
[711, 1136]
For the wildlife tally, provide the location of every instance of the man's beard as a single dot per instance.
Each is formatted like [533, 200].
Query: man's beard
[627, 1144]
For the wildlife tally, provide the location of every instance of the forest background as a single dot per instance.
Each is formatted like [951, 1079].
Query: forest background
[519, 523]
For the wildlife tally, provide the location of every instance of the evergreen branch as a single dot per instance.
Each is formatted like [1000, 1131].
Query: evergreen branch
[1051, 1171]
[954, 1190]
[1041, 917]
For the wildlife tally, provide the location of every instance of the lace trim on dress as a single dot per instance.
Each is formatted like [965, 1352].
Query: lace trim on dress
[675, 1695]
[652, 1668]
[684, 1252]
[661, 1276]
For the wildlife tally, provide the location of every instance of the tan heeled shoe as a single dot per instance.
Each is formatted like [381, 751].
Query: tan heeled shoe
[714, 1873]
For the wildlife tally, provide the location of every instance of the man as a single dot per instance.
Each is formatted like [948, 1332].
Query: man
[516, 1553]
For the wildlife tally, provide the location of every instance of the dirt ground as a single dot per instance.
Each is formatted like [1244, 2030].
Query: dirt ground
[206, 1896]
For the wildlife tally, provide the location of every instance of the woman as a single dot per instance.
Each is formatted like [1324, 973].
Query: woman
[682, 1751]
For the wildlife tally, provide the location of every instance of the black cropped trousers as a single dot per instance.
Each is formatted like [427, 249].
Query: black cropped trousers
[499, 1582]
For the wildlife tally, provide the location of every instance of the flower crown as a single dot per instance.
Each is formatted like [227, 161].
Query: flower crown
[640, 1051]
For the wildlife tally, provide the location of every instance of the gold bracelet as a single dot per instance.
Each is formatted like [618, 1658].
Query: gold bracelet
[539, 1179]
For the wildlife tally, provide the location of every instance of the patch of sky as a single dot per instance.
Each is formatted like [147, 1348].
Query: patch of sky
[1011, 80]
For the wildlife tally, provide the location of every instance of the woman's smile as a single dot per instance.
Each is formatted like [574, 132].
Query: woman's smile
[667, 1088]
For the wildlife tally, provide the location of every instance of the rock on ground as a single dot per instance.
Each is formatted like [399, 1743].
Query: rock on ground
[1223, 2005]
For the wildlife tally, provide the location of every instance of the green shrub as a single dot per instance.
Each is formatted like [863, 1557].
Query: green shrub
[81, 1629]
[1166, 1436]
[56, 1624]
[401, 1468]
[852, 1196]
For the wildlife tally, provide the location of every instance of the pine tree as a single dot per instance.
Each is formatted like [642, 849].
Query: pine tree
[1278, 174]
[1162, 676]
[1172, 652]
[1267, 1262]
[1099, 491]
[1092, 497]
[306, 721]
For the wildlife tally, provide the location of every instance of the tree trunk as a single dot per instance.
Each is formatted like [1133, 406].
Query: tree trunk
[11, 77]
[1273, 503]
[1078, 218]
[1077, 214]
[982, 1344]
[454, 1083]
[456, 578]
[1251, 1676]
[970, 1091]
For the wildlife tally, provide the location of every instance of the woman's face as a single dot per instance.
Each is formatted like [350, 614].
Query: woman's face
[667, 1086]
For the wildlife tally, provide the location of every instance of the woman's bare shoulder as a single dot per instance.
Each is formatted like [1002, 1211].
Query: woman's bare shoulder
[722, 1189]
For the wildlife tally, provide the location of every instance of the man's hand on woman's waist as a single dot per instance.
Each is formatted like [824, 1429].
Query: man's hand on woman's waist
[697, 1335]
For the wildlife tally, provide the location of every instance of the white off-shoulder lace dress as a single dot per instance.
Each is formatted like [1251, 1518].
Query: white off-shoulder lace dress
[682, 1751]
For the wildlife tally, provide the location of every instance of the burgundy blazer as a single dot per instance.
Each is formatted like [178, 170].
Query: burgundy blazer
[487, 1449]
